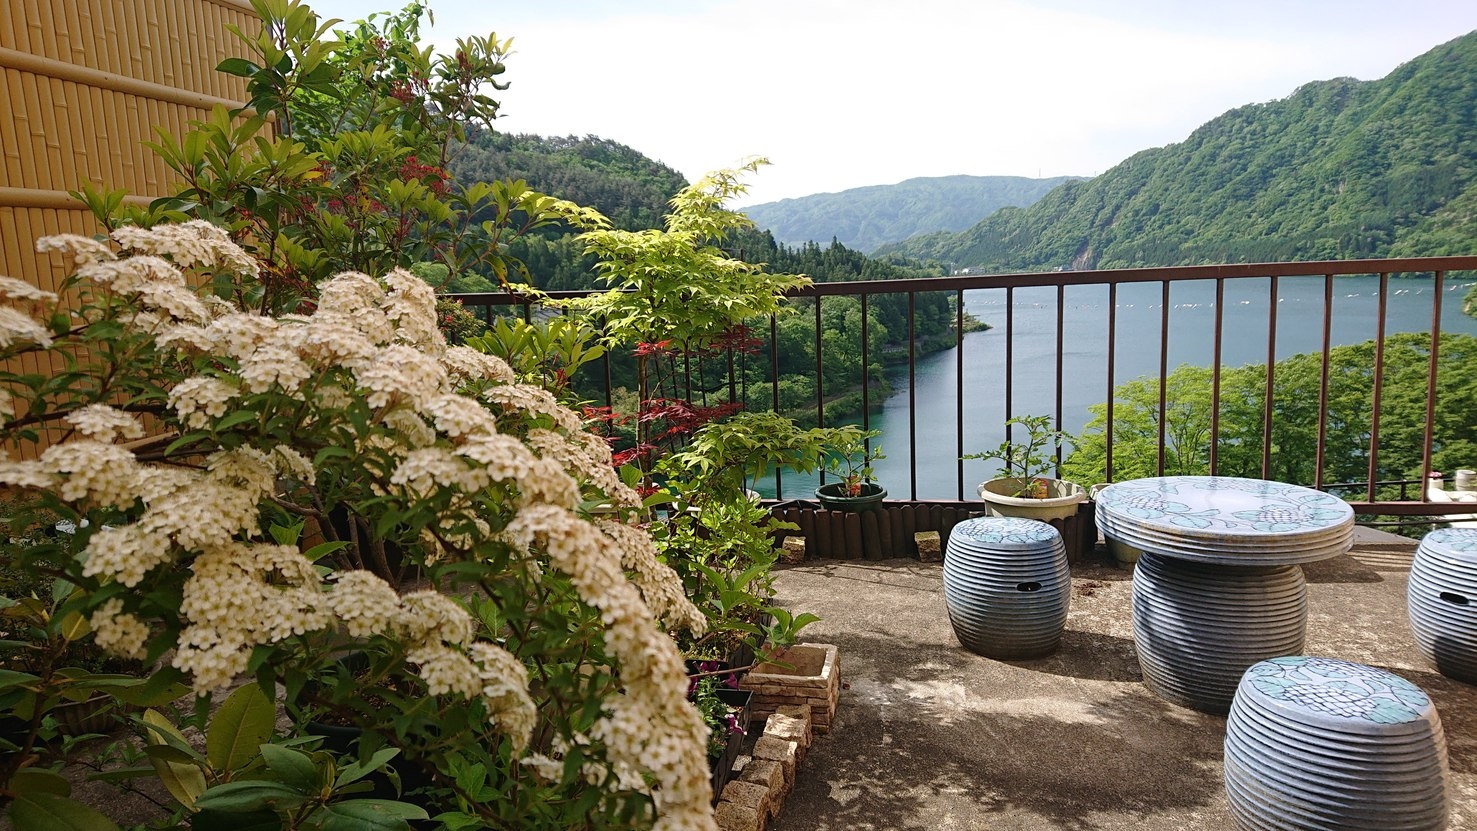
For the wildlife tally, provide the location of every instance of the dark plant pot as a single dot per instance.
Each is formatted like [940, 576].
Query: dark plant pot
[93, 715]
[722, 765]
[741, 656]
[344, 741]
[834, 499]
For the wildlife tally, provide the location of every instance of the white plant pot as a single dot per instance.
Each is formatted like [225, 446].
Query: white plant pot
[1061, 500]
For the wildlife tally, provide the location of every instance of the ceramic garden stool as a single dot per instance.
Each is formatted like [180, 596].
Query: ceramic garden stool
[1219, 585]
[1007, 586]
[1441, 599]
[1317, 743]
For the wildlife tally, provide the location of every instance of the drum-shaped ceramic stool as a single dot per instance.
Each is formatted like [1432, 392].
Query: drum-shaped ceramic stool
[1007, 586]
[1318, 744]
[1198, 626]
[1441, 599]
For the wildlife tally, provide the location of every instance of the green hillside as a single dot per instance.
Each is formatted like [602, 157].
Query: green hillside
[629, 188]
[1340, 169]
[864, 218]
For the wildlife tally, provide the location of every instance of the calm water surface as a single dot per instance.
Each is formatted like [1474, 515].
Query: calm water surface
[1300, 310]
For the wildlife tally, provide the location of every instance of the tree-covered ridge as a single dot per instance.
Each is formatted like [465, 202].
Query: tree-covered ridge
[629, 188]
[867, 217]
[1339, 169]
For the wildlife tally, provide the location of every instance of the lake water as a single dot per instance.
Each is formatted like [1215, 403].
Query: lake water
[1300, 310]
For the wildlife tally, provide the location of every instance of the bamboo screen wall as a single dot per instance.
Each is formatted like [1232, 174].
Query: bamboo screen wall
[82, 84]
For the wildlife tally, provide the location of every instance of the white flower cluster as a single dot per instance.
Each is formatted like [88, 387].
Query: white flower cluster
[586, 459]
[660, 587]
[438, 634]
[240, 595]
[117, 631]
[445, 422]
[466, 365]
[649, 728]
[105, 424]
[201, 400]
[192, 244]
[17, 327]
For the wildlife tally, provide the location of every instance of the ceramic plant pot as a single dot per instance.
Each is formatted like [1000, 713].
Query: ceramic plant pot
[1060, 502]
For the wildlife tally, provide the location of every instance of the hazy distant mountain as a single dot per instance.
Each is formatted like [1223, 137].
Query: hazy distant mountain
[1340, 169]
[864, 218]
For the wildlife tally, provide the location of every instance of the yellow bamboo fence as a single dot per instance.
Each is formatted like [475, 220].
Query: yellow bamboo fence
[83, 83]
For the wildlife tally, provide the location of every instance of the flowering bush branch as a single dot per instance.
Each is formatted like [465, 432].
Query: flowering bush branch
[528, 612]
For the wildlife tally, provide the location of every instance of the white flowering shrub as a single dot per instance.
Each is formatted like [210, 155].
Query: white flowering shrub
[527, 670]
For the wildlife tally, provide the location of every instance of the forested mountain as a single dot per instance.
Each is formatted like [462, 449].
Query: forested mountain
[864, 218]
[1339, 169]
[629, 188]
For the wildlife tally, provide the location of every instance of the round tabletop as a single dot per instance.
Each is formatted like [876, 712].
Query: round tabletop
[1336, 695]
[1006, 532]
[1452, 543]
[1226, 520]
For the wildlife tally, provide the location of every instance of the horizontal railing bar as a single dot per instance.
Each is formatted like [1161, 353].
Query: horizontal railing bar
[1407, 265]
[1320, 268]
[1415, 508]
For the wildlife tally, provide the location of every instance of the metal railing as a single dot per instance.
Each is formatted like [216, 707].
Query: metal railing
[1364, 495]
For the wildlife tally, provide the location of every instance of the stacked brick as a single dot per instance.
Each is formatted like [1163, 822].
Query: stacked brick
[779, 684]
[749, 802]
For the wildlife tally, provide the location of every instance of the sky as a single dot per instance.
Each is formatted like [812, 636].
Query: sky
[839, 94]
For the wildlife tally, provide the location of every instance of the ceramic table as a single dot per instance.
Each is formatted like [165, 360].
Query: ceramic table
[1220, 585]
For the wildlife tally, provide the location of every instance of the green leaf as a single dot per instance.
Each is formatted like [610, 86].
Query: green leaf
[323, 549]
[370, 815]
[10, 678]
[240, 67]
[166, 753]
[356, 771]
[238, 417]
[184, 781]
[237, 821]
[294, 767]
[243, 722]
[248, 795]
[49, 812]
[122, 774]
[34, 780]
[160, 688]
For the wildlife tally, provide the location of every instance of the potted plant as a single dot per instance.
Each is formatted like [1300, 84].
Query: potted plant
[1022, 489]
[851, 457]
[725, 711]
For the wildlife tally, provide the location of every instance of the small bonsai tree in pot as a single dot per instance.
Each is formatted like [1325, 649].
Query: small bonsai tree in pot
[1022, 489]
[851, 457]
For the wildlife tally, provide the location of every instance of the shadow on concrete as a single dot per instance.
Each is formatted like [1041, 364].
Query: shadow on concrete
[1341, 569]
[1090, 656]
[930, 725]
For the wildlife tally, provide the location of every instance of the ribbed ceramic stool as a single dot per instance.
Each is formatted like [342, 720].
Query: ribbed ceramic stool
[1007, 586]
[1441, 598]
[1197, 627]
[1318, 744]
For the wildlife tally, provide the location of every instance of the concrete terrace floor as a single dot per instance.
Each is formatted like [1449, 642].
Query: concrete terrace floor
[931, 736]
